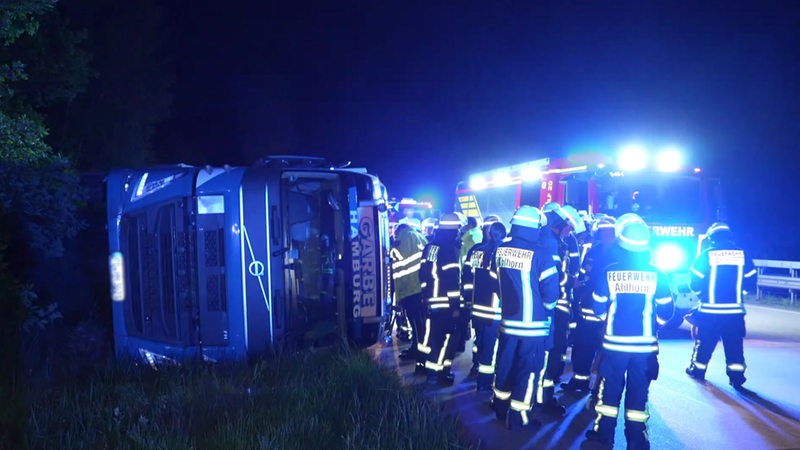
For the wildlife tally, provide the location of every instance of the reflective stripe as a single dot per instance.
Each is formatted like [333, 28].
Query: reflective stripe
[502, 395]
[607, 410]
[402, 262]
[405, 272]
[699, 365]
[630, 339]
[636, 416]
[520, 406]
[548, 273]
[486, 308]
[450, 266]
[751, 273]
[631, 348]
[521, 323]
[736, 367]
[698, 273]
[664, 300]
[487, 369]
[483, 315]
[599, 298]
[469, 286]
[434, 366]
[581, 377]
[528, 333]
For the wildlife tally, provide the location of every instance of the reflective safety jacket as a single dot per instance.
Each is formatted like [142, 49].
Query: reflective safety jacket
[559, 252]
[440, 275]
[469, 239]
[595, 261]
[406, 257]
[634, 297]
[528, 287]
[486, 288]
[718, 275]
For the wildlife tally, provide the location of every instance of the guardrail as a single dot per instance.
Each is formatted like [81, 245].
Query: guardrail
[782, 275]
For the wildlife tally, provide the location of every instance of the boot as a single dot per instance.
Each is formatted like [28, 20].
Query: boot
[598, 438]
[696, 373]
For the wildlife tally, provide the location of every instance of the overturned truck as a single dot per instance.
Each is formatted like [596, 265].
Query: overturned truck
[231, 263]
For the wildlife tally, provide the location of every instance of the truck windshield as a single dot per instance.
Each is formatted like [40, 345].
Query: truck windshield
[656, 198]
[313, 207]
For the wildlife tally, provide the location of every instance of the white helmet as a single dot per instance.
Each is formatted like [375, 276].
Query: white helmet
[634, 236]
[450, 221]
[529, 217]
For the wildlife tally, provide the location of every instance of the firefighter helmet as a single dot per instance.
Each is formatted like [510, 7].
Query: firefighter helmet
[529, 217]
[492, 218]
[574, 218]
[413, 222]
[718, 231]
[450, 221]
[556, 216]
[634, 236]
[624, 219]
[603, 223]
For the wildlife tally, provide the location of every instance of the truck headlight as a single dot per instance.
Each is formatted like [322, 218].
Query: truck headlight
[669, 257]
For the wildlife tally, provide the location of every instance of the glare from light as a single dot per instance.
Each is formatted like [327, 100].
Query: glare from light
[600, 166]
[478, 183]
[669, 257]
[632, 157]
[502, 178]
[696, 170]
[531, 174]
[669, 160]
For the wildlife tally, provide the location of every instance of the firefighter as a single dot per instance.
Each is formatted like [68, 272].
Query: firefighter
[406, 257]
[428, 226]
[633, 297]
[588, 334]
[528, 283]
[440, 277]
[561, 221]
[470, 235]
[717, 276]
[486, 312]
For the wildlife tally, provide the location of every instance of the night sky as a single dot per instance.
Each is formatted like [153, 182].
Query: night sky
[422, 93]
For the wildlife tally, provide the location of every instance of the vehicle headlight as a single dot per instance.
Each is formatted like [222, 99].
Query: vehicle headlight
[669, 257]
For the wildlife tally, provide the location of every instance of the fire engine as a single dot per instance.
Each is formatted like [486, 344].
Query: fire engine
[678, 203]
[236, 262]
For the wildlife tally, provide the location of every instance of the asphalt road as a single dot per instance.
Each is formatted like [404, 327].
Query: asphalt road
[684, 413]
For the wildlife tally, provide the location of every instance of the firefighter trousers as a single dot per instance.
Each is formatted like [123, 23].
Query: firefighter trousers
[558, 354]
[587, 339]
[485, 350]
[414, 309]
[444, 335]
[631, 372]
[730, 328]
[520, 368]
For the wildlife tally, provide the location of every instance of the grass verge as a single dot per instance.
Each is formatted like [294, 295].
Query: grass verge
[326, 399]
